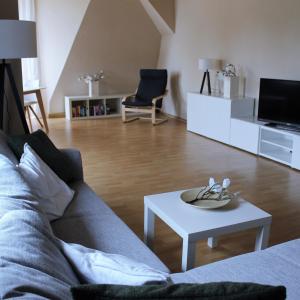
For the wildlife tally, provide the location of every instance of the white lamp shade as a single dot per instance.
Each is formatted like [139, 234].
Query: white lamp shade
[209, 64]
[17, 39]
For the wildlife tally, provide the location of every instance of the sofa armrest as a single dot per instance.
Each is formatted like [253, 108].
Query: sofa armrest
[75, 157]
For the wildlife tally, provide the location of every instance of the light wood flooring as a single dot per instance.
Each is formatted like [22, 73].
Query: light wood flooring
[124, 162]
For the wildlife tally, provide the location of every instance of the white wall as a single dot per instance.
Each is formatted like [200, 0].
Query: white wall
[58, 22]
[262, 37]
[116, 36]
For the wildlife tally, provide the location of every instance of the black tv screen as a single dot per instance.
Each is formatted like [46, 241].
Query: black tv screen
[279, 101]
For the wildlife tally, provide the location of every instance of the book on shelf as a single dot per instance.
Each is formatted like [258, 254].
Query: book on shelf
[82, 111]
[79, 111]
[97, 110]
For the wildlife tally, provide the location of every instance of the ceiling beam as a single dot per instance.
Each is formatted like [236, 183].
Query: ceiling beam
[162, 15]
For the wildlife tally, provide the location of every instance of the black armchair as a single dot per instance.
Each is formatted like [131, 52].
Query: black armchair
[148, 97]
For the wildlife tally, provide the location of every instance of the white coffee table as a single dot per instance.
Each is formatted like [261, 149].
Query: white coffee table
[194, 224]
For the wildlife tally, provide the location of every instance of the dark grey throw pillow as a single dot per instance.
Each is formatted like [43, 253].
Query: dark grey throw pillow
[47, 151]
[206, 291]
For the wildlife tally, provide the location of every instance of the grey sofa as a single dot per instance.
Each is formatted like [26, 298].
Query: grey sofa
[90, 222]
[87, 221]
[277, 265]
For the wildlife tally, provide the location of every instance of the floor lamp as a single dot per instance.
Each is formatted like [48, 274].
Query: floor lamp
[18, 40]
[207, 64]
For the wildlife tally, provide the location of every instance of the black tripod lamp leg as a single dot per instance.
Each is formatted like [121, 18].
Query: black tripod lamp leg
[17, 98]
[208, 83]
[203, 82]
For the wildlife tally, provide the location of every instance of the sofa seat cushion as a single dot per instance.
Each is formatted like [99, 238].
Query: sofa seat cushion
[90, 222]
[136, 102]
[278, 265]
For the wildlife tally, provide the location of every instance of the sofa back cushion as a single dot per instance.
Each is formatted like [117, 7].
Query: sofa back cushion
[4, 148]
[47, 151]
[15, 194]
[54, 195]
[31, 261]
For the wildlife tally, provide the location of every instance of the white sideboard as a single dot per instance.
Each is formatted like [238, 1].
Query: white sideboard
[232, 122]
[280, 145]
[211, 115]
[296, 152]
[254, 136]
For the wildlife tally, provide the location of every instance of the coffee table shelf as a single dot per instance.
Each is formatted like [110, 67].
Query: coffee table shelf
[193, 224]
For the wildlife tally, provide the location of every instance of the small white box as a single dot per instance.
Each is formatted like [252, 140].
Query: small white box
[231, 87]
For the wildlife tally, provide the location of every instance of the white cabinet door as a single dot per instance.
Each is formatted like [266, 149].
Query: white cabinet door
[244, 135]
[296, 152]
[194, 109]
[216, 119]
[209, 116]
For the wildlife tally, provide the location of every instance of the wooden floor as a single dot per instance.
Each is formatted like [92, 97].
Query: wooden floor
[124, 162]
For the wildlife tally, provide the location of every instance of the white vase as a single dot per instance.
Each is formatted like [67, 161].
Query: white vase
[93, 88]
[231, 87]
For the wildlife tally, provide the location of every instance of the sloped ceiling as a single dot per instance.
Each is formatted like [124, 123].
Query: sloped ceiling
[162, 13]
[166, 9]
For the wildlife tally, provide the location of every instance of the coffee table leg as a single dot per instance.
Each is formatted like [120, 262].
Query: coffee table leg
[262, 237]
[149, 226]
[188, 254]
[212, 242]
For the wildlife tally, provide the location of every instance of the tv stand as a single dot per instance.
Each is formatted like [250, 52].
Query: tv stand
[271, 124]
[268, 141]
[284, 127]
[232, 121]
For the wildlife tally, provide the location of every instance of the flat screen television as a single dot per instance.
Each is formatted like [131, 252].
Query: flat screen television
[279, 102]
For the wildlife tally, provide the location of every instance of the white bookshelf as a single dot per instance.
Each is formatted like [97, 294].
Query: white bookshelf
[85, 107]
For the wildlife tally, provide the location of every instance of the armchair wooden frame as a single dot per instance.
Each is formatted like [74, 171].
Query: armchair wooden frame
[144, 110]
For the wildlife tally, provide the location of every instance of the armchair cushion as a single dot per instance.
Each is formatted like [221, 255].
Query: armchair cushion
[152, 84]
[136, 102]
